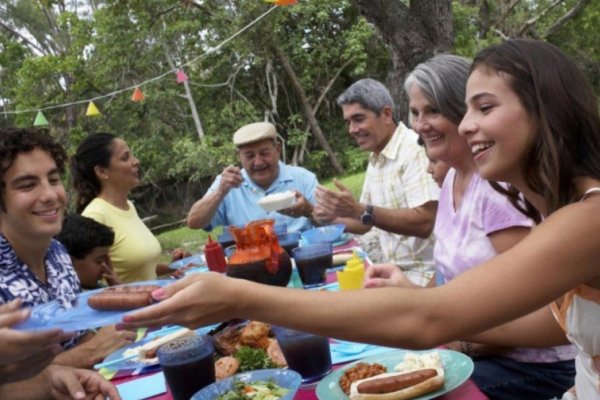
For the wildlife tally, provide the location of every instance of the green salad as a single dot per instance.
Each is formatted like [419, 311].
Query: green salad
[259, 390]
[251, 359]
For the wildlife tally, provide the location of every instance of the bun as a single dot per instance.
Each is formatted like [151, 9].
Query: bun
[433, 380]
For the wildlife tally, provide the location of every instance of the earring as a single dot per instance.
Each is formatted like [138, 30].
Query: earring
[106, 177]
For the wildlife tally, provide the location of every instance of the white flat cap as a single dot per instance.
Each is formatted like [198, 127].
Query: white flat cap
[254, 132]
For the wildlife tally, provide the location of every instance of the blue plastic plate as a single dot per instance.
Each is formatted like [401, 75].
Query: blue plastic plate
[326, 233]
[79, 316]
[457, 369]
[195, 259]
[345, 238]
[134, 363]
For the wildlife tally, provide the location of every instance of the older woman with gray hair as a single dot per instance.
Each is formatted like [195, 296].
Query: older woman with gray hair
[474, 223]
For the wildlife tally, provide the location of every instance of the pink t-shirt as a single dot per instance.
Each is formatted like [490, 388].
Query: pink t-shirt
[462, 242]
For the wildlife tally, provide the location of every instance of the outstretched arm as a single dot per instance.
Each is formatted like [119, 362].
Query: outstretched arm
[561, 253]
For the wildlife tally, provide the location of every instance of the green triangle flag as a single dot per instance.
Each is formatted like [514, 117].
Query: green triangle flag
[40, 120]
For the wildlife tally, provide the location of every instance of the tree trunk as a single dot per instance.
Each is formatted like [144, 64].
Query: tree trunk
[308, 111]
[412, 34]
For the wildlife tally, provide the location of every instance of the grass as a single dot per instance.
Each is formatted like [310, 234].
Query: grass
[193, 239]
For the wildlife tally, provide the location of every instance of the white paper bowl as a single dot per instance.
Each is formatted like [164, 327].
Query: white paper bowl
[277, 201]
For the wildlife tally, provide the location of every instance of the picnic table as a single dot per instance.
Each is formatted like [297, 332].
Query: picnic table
[153, 381]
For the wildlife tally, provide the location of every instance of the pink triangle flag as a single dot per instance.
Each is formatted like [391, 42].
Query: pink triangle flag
[181, 76]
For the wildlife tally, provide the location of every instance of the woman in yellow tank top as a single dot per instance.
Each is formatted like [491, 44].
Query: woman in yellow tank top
[104, 170]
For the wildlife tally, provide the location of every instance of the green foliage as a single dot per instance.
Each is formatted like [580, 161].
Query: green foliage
[355, 160]
[353, 182]
[77, 54]
[467, 40]
[183, 236]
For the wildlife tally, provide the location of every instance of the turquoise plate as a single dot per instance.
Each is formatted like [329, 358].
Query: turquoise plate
[457, 369]
[345, 238]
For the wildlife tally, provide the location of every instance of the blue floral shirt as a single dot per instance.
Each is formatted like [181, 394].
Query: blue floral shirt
[18, 281]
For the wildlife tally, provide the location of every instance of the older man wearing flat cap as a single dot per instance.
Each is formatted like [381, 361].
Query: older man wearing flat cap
[233, 197]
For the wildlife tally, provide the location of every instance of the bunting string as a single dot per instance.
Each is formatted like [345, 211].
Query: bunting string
[130, 88]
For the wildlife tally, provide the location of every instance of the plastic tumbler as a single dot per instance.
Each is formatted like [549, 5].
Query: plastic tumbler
[188, 364]
[289, 241]
[312, 261]
[305, 353]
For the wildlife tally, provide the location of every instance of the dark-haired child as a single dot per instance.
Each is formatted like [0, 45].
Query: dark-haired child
[88, 242]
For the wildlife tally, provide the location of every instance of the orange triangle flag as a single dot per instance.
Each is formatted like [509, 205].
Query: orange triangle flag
[283, 2]
[92, 110]
[138, 95]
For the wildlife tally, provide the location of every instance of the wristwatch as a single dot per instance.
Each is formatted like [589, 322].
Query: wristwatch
[367, 217]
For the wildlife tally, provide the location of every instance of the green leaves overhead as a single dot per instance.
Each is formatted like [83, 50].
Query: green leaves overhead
[52, 53]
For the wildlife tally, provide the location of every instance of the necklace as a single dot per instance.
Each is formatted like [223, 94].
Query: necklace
[589, 191]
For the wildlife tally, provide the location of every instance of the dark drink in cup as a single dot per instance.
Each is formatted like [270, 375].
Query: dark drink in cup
[312, 261]
[313, 271]
[188, 364]
[305, 353]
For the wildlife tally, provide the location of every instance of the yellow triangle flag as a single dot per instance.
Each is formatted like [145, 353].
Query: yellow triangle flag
[92, 110]
[138, 95]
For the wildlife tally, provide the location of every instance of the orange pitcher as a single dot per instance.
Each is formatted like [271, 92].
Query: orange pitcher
[258, 256]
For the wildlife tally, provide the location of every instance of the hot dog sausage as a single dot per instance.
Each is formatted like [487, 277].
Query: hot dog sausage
[119, 300]
[396, 382]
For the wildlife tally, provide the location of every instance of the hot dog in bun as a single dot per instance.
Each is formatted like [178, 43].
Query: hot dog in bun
[398, 386]
[416, 376]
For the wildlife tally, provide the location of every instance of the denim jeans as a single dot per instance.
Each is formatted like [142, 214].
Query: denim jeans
[502, 378]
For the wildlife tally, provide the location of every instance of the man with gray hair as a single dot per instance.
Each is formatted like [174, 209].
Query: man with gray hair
[399, 199]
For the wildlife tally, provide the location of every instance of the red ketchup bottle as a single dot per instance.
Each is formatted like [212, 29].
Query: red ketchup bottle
[215, 258]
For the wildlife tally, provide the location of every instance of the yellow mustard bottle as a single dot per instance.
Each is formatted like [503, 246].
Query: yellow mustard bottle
[353, 274]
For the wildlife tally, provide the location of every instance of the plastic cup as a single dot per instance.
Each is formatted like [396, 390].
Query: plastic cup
[312, 261]
[188, 364]
[289, 241]
[305, 353]
[280, 228]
